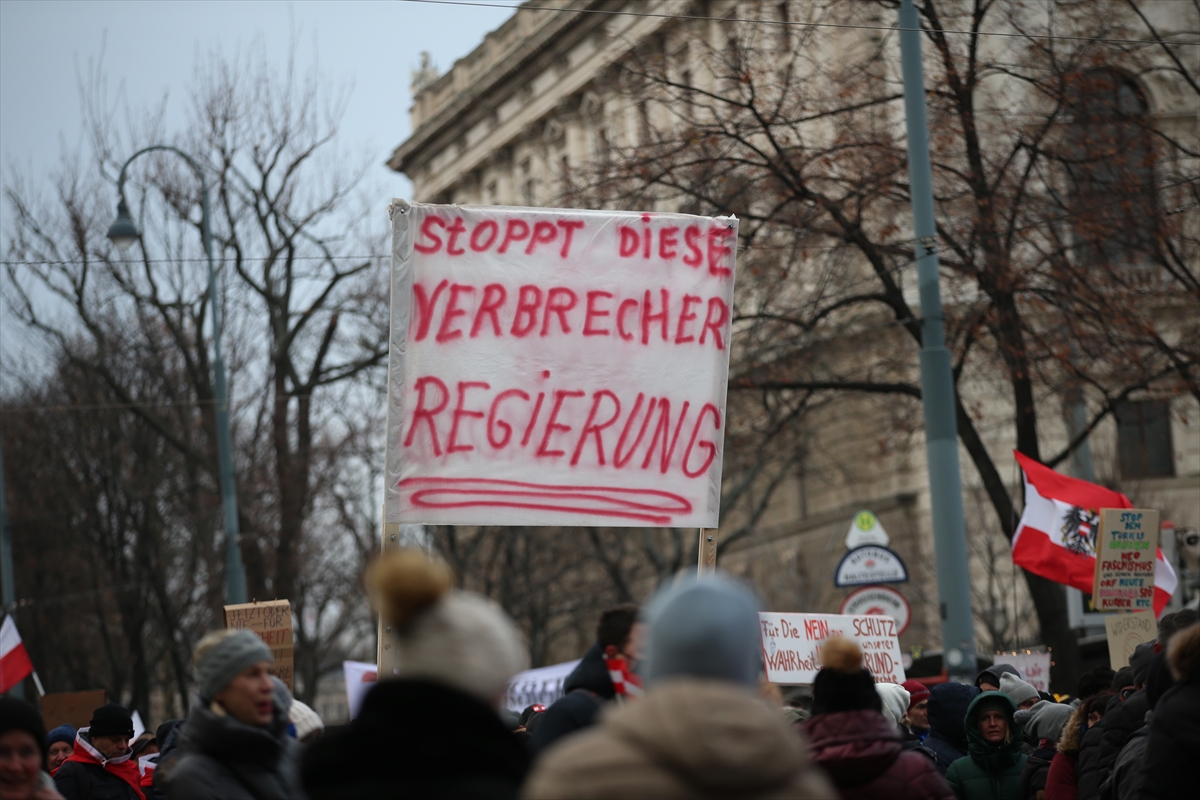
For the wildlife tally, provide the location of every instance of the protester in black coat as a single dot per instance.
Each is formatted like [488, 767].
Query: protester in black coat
[947, 739]
[589, 687]
[436, 732]
[234, 745]
[1174, 740]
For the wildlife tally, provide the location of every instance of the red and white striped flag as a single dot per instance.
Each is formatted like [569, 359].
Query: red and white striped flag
[1056, 537]
[15, 665]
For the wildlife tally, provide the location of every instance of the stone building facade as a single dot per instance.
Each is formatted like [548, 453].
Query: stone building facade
[518, 119]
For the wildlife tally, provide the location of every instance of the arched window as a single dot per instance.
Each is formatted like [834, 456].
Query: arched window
[1109, 159]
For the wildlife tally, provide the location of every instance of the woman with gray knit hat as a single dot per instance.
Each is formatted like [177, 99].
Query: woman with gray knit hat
[234, 745]
[700, 730]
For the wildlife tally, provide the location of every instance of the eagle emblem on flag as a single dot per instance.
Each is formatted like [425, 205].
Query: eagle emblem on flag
[1079, 530]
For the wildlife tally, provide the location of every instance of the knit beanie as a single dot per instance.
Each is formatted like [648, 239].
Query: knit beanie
[63, 733]
[454, 637]
[1045, 720]
[17, 715]
[703, 628]
[233, 652]
[895, 701]
[842, 684]
[111, 719]
[917, 692]
[1017, 689]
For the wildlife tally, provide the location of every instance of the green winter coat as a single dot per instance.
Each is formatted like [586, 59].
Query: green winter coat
[990, 772]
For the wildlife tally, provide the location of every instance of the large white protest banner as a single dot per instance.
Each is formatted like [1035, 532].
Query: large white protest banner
[557, 367]
[792, 644]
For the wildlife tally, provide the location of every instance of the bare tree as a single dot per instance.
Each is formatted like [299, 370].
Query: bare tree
[1065, 207]
[304, 301]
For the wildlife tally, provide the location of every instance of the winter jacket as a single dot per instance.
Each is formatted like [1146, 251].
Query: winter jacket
[1116, 728]
[686, 738]
[947, 739]
[585, 692]
[417, 738]
[1125, 781]
[863, 754]
[1060, 779]
[990, 771]
[1087, 765]
[1037, 770]
[87, 775]
[222, 758]
[1174, 731]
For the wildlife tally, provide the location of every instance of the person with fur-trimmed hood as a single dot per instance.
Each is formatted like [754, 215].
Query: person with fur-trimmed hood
[701, 729]
[1174, 737]
[435, 731]
[992, 769]
[855, 742]
[1061, 781]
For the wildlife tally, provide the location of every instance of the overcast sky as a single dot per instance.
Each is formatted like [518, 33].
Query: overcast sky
[151, 48]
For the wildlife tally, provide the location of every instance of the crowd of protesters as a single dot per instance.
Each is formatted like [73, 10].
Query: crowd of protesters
[669, 702]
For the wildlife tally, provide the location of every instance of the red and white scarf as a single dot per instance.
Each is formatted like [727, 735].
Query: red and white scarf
[122, 766]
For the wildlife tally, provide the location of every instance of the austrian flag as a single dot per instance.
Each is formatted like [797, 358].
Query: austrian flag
[15, 665]
[1056, 537]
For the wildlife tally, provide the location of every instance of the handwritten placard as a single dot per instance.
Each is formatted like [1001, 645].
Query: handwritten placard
[1125, 552]
[1034, 667]
[1125, 632]
[272, 620]
[557, 367]
[792, 645]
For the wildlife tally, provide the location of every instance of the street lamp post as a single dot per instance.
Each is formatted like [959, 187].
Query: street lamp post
[124, 234]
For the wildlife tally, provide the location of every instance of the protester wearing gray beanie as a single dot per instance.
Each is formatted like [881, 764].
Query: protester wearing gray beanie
[1021, 693]
[227, 658]
[1045, 720]
[704, 628]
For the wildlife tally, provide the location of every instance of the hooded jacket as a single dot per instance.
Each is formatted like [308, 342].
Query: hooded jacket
[1174, 735]
[947, 739]
[990, 771]
[88, 775]
[863, 754]
[222, 758]
[687, 738]
[585, 691]
[417, 738]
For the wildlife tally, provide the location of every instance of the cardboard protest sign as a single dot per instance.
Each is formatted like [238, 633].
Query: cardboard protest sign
[1125, 632]
[792, 644]
[1126, 544]
[272, 620]
[557, 367]
[1034, 667]
[72, 708]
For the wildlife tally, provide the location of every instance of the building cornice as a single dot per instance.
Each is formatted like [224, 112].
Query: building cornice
[483, 96]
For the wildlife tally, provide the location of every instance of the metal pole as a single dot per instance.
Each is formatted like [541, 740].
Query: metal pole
[9, 590]
[235, 572]
[937, 381]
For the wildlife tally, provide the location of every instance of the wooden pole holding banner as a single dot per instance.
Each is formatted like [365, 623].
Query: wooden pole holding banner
[388, 653]
[707, 561]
